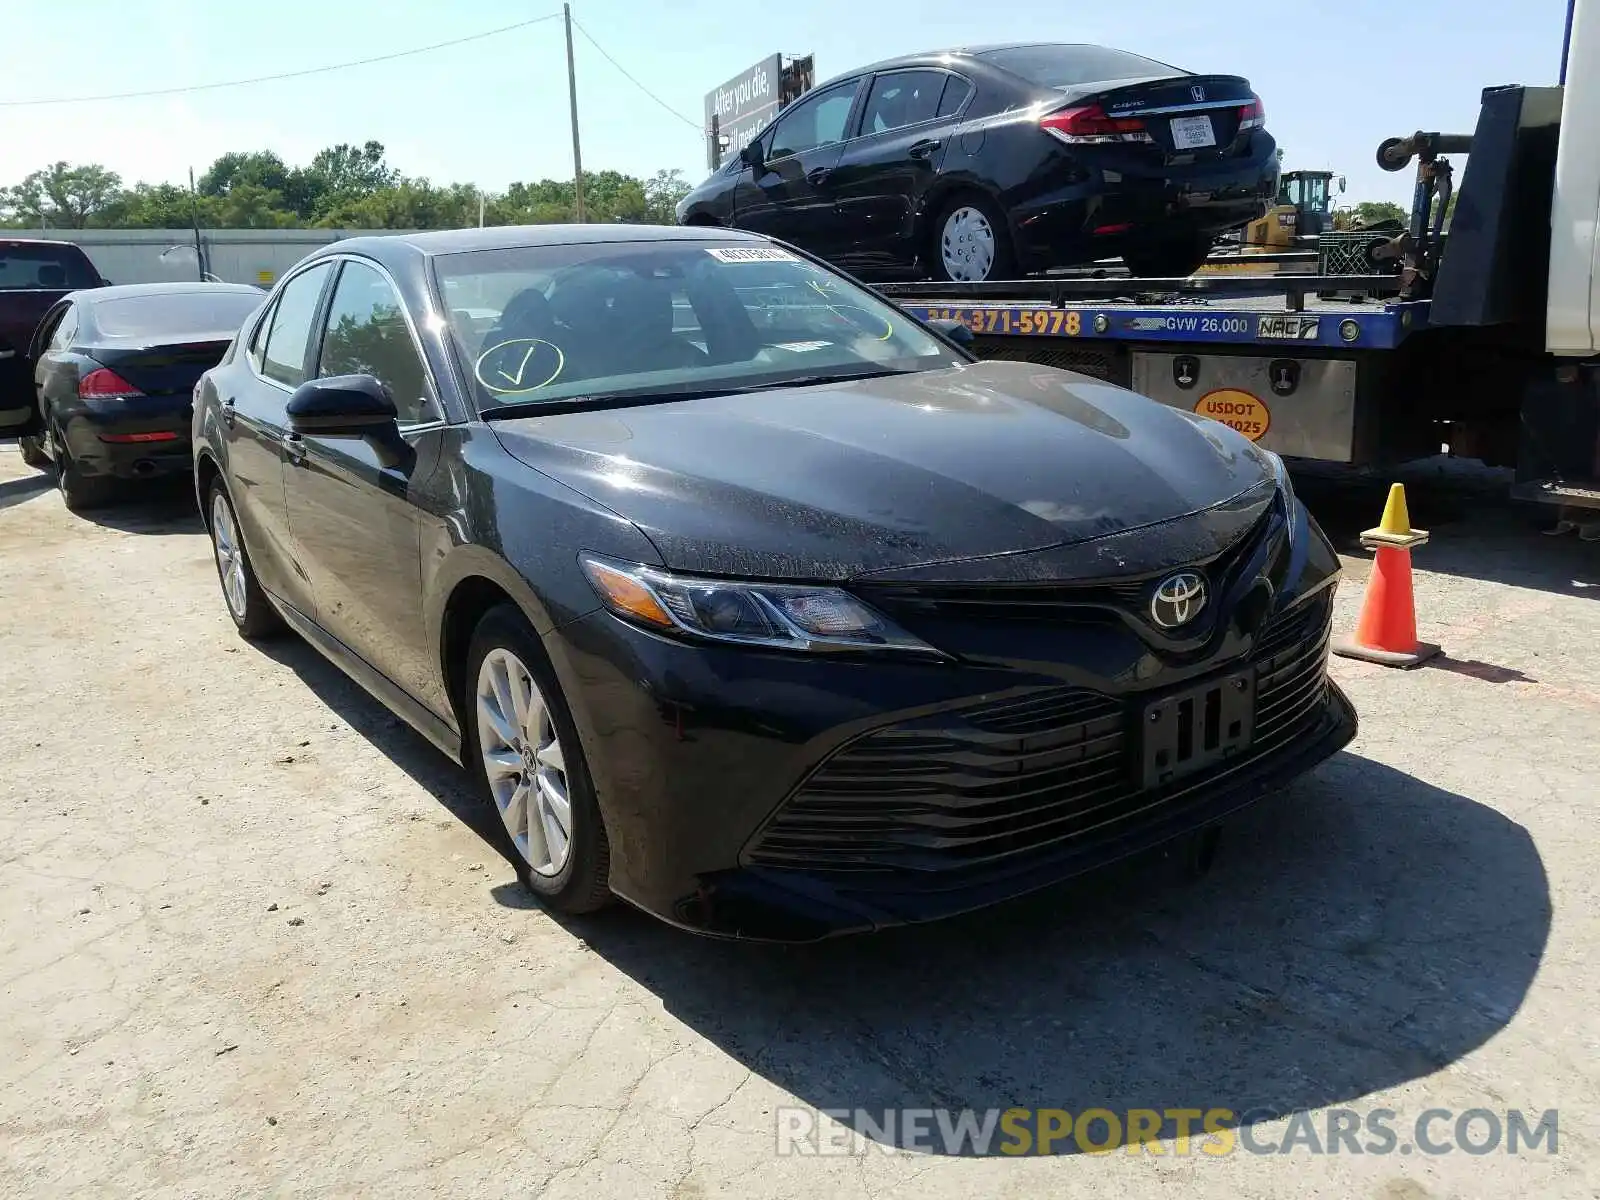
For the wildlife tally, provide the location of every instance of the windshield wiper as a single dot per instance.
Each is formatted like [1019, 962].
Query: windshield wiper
[519, 408]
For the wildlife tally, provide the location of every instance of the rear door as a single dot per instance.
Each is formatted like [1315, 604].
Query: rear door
[792, 195]
[353, 518]
[55, 372]
[254, 392]
[884, 171]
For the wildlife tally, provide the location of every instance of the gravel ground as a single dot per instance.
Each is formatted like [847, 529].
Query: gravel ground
[256, 939]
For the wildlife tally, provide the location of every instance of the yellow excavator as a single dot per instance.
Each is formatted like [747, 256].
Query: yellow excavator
[1304, 209]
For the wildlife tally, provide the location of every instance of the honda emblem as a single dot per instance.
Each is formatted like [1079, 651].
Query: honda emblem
[1198, 93]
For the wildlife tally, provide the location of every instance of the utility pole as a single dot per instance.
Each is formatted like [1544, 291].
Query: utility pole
[716, 142]
[194, 215]
[572, 91]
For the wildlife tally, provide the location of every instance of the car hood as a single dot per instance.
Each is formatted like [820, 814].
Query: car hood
[833, 481]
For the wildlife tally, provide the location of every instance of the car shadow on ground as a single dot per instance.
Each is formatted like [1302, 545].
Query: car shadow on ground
[155, 507]
[15, 491]
[1364, 930]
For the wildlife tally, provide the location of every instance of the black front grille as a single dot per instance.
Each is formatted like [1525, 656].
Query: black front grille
[982, 784]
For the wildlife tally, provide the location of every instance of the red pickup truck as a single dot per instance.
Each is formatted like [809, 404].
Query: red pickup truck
[33, 276]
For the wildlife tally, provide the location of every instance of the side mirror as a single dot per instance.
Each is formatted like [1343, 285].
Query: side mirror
[751, 155]
[958, 332]
[341, 406]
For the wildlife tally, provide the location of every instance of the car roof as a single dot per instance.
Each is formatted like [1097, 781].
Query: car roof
[512, 237]
[938, 57]
[125, 291]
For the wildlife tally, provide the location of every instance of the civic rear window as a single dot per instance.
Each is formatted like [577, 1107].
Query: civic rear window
[1072, 66]
[25, 266]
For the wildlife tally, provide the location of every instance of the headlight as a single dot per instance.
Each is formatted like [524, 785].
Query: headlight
[781, 616]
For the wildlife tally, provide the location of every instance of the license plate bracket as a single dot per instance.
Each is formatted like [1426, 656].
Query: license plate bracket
[1201, 727]
[1192, 133]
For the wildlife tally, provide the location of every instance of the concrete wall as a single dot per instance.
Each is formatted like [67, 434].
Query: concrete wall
[235, 255]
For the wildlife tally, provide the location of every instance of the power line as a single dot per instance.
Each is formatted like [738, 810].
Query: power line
[360, 62]
[692, 124]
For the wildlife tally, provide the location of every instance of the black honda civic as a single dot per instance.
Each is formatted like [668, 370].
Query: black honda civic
[744, 596]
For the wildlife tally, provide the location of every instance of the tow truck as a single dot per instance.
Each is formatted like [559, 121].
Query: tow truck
[1479, 343]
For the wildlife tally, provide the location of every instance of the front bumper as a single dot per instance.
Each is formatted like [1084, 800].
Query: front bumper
[708, 763]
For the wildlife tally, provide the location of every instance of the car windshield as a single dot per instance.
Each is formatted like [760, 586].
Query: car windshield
[1073, 66]
[26, 266]
[547, 324]
[176, 315]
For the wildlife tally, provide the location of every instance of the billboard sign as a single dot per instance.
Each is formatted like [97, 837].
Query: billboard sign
[743, 107]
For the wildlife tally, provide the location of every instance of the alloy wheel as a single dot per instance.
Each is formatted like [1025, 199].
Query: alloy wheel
[230, 556]
[967, 245]
[523, 762]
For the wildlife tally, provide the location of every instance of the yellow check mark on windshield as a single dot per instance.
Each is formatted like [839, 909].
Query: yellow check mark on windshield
[516, 380]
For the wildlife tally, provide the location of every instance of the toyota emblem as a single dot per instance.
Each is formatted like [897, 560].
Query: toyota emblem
[1178, 600]
[1198, 94]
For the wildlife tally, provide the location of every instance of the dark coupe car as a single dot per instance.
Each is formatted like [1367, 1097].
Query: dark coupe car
[114, 371]
[748, 598]
[981, 163]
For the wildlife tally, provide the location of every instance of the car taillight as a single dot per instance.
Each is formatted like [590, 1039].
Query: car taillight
[103, 383]
[1252, 115]
[1089, 123]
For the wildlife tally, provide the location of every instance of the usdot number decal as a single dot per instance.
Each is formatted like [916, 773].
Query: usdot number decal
[1239, 411]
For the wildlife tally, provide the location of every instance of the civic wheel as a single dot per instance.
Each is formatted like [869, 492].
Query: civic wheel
[526, 757]
[252, 613]
[971, 243]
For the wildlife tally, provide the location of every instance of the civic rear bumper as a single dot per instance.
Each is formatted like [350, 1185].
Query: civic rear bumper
[696, 751]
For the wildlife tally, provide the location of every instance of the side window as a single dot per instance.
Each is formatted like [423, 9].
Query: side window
[258, 339]
[66, 328]
[283, 359]
[817, 120]
[367, 335]
[902, 98]
[956, 91]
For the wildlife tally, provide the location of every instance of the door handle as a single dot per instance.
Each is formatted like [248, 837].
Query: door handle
[924, 148]
[294, 446]
[818, 175]
[227, 412]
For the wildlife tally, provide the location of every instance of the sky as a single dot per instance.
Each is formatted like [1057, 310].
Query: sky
[1336, 79]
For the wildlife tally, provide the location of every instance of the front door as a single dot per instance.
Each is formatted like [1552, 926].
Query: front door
[254, 392]
[351, 510]
[790, 196]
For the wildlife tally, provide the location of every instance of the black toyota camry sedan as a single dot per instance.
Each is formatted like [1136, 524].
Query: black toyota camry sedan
[980, 163]
[744, 596]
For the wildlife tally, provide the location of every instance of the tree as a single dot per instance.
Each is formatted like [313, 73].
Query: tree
[62, 195]
[662, 193]
[260, 168]
[1370, 212]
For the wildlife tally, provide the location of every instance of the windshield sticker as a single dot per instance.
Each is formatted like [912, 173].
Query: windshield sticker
[801, 347]
[743, 254]
[520, 365]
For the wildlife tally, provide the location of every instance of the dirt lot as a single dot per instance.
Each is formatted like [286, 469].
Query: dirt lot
[252, 940]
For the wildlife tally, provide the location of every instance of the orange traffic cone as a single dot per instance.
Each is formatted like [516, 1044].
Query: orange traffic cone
[1387, 631]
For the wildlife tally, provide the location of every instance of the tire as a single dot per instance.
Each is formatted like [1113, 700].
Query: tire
[252, 613]
[79, 492]
[33, 453]
[1171, 258]
[538, 759]
[972, 216]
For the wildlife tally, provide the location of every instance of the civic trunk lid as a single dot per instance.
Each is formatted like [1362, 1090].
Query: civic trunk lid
[169, 370]
[1198, 115]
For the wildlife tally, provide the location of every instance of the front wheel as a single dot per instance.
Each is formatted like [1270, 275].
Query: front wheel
[248, 606]
[971, 243]
[523, 751]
